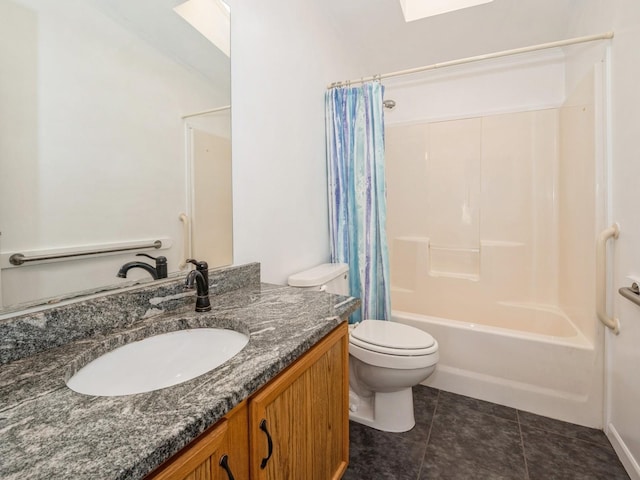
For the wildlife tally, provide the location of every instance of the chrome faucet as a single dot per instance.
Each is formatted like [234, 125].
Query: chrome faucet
[159, 271]
[201, 278]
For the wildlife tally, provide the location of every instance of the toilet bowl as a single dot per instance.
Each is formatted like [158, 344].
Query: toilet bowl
[386, 359]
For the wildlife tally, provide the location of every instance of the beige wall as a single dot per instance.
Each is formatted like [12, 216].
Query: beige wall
[212, 211]
[577, 206]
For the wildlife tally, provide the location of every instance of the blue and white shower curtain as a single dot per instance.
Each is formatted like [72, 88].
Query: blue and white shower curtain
[357, 193]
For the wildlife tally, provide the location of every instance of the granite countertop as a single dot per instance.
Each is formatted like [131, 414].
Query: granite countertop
[48, 431]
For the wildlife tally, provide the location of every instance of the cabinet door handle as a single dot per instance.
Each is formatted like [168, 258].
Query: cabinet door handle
[265, 460]
[224, 463]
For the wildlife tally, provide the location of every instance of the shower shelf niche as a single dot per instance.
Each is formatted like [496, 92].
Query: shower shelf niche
[454, 262]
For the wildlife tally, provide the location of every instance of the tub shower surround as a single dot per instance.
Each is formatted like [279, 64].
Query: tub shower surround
[48, 431]
[489, 251]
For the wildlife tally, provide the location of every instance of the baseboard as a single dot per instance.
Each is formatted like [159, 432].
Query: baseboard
[630, 464]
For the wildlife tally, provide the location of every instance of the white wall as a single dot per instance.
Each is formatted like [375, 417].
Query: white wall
[512, 84]
[92, 148]
[284, 55]
[623, 351]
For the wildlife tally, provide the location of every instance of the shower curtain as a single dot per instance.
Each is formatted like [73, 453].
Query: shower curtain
[357, 194]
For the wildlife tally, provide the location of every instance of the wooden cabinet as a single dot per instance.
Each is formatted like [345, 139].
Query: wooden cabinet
[304, 414]
[296, 427]
[220, 453]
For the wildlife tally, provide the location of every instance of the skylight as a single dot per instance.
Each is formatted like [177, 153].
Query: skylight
[211, 19]
[416, 9]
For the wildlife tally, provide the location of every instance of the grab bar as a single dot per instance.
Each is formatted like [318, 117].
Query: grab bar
[186, 238]
[630, 294]
[19, 258]
[601, 277]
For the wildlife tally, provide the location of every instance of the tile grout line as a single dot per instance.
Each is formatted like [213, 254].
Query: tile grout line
[524, 455]
[567, 436]
[433, 417]
[490, 414]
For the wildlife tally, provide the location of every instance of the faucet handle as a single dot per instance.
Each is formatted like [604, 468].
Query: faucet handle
[203, 268]
[161, 264]
[148, 256]
[200, 265]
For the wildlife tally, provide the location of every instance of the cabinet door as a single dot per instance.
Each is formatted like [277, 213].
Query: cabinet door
[203, 458]
[302, 416]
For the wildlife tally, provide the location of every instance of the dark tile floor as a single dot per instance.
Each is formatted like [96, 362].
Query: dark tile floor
[461, 438]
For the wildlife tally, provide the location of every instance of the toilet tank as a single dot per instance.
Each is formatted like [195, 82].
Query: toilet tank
[329, 277]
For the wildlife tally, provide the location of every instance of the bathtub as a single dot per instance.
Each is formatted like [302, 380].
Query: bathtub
[550, 369]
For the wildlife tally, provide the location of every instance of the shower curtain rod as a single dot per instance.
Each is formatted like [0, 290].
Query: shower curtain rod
[488, 56]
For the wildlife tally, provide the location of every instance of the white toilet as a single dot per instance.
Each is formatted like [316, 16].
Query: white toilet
[386, 359]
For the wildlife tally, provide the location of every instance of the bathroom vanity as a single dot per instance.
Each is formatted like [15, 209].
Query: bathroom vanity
[286, 391]
[280, 431]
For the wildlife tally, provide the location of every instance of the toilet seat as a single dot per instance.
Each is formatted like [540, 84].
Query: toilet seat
[398, 362]
[392, 338]
[392, 345]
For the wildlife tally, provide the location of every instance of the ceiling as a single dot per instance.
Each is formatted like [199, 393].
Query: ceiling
[379, 37]
[157, 23]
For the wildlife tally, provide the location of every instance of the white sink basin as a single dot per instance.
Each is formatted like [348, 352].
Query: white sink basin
[157, 362]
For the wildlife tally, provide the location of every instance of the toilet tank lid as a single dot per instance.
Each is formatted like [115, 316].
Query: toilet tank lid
[319, 275]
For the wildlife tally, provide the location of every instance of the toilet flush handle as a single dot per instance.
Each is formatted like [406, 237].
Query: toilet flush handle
[323, 288]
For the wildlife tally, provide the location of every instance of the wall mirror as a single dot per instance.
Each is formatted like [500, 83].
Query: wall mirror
[114, 134]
